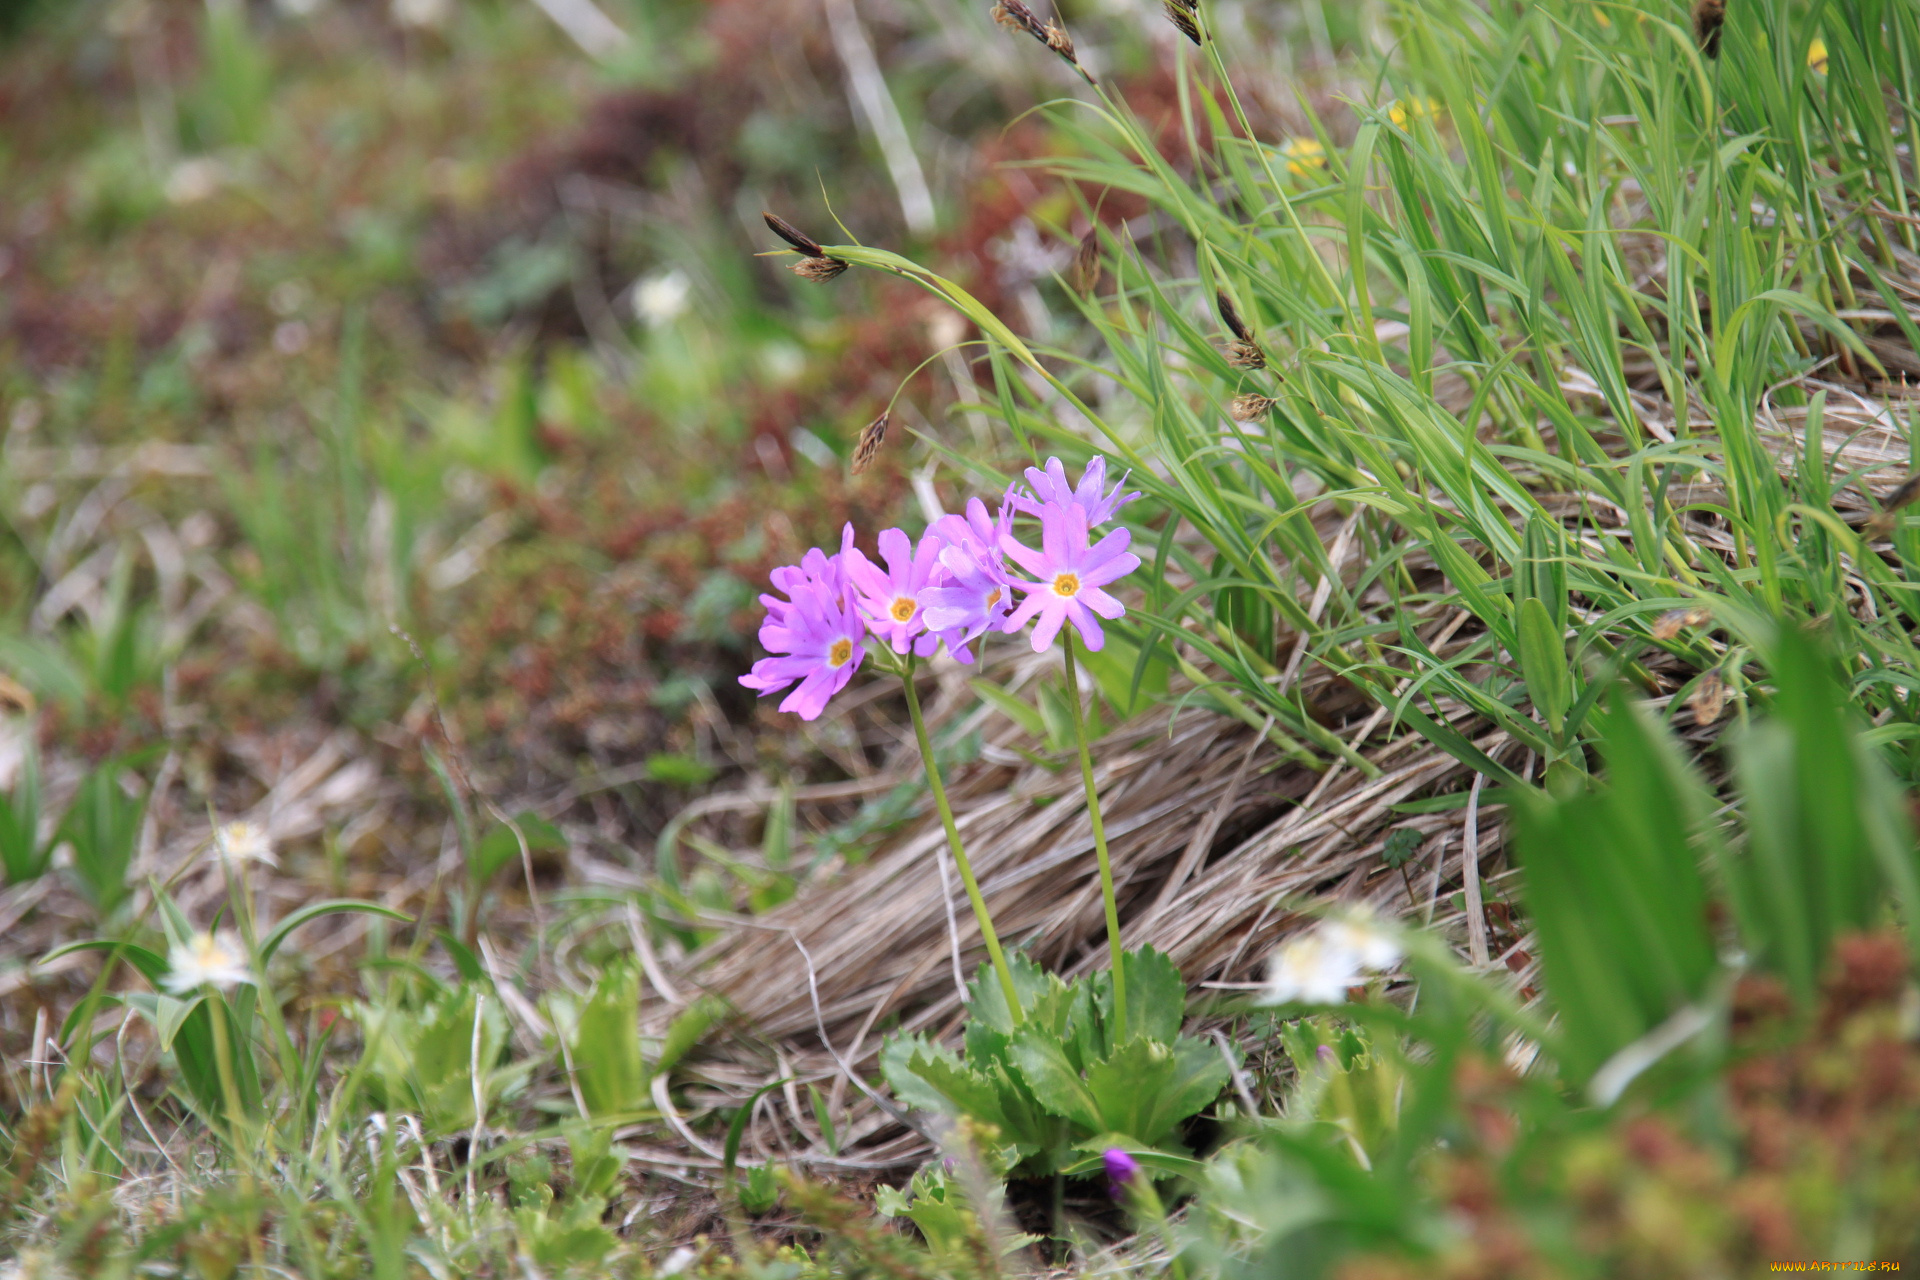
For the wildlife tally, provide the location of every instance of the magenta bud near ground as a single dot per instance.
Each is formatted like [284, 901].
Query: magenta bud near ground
[1122, 1169]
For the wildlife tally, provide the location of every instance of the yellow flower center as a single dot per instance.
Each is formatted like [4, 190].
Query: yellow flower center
[208, 952]
[902, 610]
[1066, 584]
[839, 651]
[993, 597]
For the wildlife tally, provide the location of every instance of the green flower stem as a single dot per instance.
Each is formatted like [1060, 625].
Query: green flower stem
[238, 1128]
[223, 1065]
[1144, 1200]
[959, 853]
[1099, 845]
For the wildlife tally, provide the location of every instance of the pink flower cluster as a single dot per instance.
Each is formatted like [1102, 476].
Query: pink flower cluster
[952, 588]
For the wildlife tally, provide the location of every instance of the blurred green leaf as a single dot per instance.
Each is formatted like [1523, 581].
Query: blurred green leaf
[607, 1063]
[102, 827]
[1614, 888]
[501, 847]
[677, 769]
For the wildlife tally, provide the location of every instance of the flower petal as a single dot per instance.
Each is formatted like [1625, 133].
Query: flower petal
[1101, 603]
[1087, 625]
[1053, 615]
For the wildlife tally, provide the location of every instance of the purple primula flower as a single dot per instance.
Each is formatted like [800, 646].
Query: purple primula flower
[976, 526]
[816, 568]
[1050, 486]
[1122, 1169]
[976, 594]
[891, 599]
[1071, 577]
[816, 636]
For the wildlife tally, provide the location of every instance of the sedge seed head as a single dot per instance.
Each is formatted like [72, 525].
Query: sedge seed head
[1085, 274]
[1709, 698]
[819, 269]
[871, 438]
[1250, 406]
[1709, 16]
[793, 235]
[1183, 19]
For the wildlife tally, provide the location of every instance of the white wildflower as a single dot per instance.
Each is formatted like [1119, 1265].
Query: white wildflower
[422, 13]
[245, 842]
[194, 179]
[207, 960]
[1359, 933]
[662, 299]
[1310, 969]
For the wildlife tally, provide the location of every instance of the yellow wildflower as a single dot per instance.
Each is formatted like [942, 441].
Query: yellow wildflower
[1403, 112]
[1304, 155]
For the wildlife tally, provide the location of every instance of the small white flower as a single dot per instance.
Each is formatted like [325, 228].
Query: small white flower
[662, 299]
[207, 960]
[1360, 934]
[194, 179]
[422, 13]
[1311, 969]
[245, 842]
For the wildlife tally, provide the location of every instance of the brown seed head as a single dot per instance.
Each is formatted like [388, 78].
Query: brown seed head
[1230, 316]
[1709, 698]
[1085, 273]
[868, 449]
[818, 269]
[1015, 16]
[1708, 17]
[1183, 17]
[1248, 407]
[15, 696]
[793, 235]
[1674, 621]
[1246, 355]
[1906, 491]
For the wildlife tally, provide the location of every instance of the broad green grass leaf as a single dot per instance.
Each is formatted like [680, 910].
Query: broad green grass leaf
[313, 911]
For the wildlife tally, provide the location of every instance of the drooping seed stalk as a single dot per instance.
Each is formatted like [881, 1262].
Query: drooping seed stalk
[1099, 845]
[979, 903]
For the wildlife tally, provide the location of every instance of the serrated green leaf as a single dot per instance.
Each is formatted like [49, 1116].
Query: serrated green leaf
[1156, 995]
[1046, 1072]
[987, 1003]
[1147, 1087]
[897, 1054]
